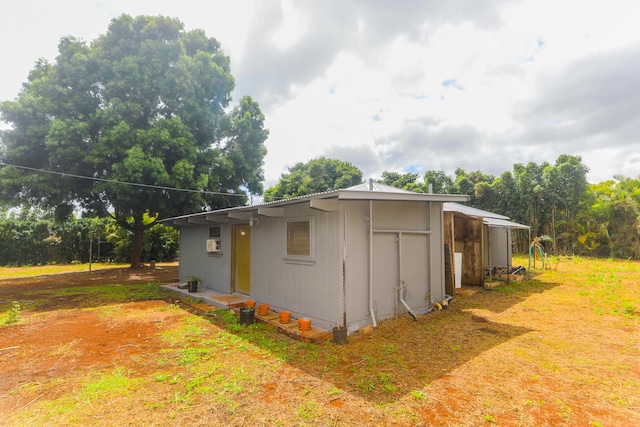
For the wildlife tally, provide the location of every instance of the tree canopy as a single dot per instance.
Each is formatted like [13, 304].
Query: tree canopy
[316, 176]
[145, 103]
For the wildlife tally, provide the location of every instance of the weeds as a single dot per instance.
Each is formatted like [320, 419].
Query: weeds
[309, 411]
[366, 385]
[13, 315]
[333, 390]
[161, 377]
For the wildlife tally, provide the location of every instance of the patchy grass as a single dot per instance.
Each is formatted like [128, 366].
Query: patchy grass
[561, 347]
[108, 293]
[41, 270]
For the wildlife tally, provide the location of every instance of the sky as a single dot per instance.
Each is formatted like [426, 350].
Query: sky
[400, 86]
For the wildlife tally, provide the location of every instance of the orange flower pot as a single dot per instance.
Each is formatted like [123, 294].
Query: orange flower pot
[250, 303]
[304, 324]
[263, 309]
[285, 316]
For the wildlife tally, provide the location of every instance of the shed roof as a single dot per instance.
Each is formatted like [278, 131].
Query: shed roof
[497, 222]
[489, 218]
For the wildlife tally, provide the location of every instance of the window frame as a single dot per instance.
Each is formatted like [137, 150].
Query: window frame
[300, 258]
[215, 232]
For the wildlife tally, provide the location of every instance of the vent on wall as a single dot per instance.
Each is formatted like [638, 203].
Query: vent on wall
[213, 246]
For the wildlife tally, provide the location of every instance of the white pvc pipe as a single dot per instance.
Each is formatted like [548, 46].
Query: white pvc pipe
[371, 308]
[344, 272]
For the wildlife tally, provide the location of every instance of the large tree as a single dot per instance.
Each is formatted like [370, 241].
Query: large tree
[146, 103]
[407, 181]
[440, 182]
[316, 176]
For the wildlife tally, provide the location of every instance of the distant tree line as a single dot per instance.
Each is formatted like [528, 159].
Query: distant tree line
[31, 237]
[556, 200]
[601, 220]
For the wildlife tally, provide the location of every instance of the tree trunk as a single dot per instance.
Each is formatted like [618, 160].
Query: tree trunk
[136, 250]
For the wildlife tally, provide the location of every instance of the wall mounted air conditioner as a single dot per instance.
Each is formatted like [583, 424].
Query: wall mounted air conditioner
[213, 246]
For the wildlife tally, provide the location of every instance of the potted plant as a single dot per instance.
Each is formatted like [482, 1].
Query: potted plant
[247, 315]
[193, 282]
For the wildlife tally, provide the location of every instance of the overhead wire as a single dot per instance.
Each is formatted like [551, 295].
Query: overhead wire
[115, 181]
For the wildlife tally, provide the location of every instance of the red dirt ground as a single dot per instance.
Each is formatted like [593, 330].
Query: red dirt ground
[479, 367]
[63, 341]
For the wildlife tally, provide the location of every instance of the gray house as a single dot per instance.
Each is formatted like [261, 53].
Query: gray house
[352, 256]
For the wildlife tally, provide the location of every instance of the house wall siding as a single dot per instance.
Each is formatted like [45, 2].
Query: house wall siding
[214, 270]
[355, 227]
[422, 257]
[335, 281]
[436, 252]
[305, 287]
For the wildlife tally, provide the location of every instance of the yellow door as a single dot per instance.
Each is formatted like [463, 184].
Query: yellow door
[241, 259]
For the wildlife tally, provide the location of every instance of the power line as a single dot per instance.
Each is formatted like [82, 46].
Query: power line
[114, 181]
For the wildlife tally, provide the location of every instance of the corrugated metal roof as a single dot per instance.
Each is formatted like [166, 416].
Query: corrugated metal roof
[497, 222]
[471, 211]
[376, 186]
[489, 218]
[358, 192]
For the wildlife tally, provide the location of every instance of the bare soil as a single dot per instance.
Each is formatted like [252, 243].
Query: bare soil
[58, 339]
[540, 356]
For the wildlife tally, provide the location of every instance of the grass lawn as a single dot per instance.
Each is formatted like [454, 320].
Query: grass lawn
[561, 347]
[15, 272]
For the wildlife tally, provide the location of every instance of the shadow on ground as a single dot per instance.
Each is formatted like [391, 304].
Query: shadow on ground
[397, 358]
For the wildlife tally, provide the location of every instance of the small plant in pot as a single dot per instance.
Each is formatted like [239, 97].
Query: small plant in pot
[247, 315]
[193, 282]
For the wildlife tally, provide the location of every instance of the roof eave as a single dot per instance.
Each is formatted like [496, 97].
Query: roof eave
[339, 194]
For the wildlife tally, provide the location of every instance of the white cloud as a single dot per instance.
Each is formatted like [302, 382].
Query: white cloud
[398, 86]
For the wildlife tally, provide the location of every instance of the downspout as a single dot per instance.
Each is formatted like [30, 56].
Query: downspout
[490, 259]
[344, 273]
[371, 308]
[401, 287]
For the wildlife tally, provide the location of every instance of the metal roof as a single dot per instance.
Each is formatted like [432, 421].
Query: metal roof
[376, 186]
[489, 218]
[366, 191]
[471, 211]
[496, 222]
